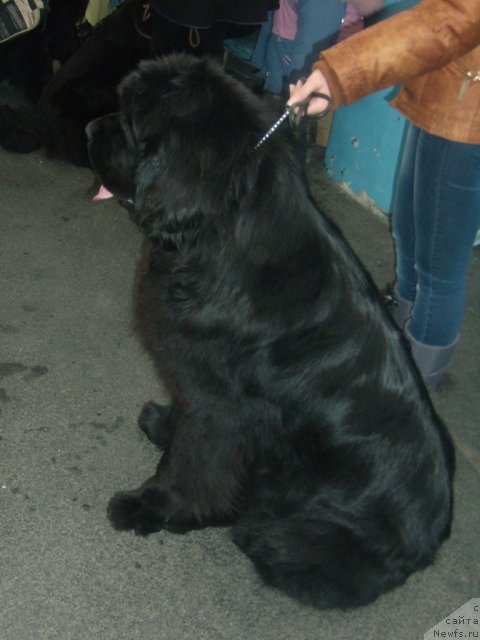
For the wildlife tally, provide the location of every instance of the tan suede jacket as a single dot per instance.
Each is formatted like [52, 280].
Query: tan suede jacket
[433, 50]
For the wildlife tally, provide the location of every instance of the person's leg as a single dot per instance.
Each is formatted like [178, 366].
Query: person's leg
[403, 294]
[403, 217]
[446, 212]
[447, 216]
[318, 25]
[278, 61]
[26, 61]
[259, 55]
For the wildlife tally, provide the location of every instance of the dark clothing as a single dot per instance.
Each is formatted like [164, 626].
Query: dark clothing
[201, 27]
[169, 37]
[204, 14]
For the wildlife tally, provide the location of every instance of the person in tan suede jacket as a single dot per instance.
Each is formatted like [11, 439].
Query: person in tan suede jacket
[433, 50]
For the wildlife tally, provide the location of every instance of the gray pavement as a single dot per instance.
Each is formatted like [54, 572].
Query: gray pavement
[73, 378]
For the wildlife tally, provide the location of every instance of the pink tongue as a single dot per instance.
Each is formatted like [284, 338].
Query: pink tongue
[103, 194]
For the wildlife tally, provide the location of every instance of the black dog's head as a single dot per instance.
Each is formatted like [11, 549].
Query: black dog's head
[182, 146]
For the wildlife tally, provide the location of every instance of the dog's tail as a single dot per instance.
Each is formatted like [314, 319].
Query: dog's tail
[319, 563]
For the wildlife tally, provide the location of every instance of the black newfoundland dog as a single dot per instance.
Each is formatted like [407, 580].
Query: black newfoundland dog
[297, 414]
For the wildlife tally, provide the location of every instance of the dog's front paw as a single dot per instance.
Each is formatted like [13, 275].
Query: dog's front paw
[141, 512]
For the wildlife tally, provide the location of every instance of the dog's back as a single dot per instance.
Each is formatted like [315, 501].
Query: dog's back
[354, 490]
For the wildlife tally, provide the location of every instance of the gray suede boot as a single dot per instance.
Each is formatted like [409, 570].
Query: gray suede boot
[430, 360]
[399, 307]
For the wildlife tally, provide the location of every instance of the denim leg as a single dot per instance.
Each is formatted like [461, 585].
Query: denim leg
[446, 206]
[272, 56]
[403, 219]
[318, 26]
[278, 60]
[260, 50]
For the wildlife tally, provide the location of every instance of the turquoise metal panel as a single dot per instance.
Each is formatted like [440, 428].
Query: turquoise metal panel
[366, 138]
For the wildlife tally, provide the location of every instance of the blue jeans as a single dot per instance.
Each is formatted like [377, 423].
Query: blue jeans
[436, 214]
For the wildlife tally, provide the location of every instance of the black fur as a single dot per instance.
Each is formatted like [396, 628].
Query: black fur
[297, 413]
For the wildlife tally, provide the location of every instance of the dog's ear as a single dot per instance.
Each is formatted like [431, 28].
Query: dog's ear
[187, 179]
[164, 210]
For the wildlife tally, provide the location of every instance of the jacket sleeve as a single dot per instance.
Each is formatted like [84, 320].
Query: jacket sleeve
[405, 46]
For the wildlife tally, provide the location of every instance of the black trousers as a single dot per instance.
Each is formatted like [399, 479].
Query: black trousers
[25, 61]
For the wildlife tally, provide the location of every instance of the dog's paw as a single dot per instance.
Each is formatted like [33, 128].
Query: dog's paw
[141, 512]
[153, 421]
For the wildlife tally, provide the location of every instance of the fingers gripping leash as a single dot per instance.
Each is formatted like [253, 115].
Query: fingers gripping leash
[295, 112]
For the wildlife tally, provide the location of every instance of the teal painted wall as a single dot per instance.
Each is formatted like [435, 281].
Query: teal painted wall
[366, 138]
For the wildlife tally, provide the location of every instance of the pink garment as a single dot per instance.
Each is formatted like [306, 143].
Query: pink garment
[367, 7]
[285, 20]
[351, 23]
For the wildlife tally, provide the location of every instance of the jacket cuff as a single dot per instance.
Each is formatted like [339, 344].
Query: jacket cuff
[333, 84]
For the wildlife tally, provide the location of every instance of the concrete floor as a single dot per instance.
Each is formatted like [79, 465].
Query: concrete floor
[73, 377]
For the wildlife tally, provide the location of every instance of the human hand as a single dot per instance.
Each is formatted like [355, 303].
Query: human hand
[315, 83]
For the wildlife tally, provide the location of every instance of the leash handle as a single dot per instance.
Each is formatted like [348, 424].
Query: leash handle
[295, 113]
